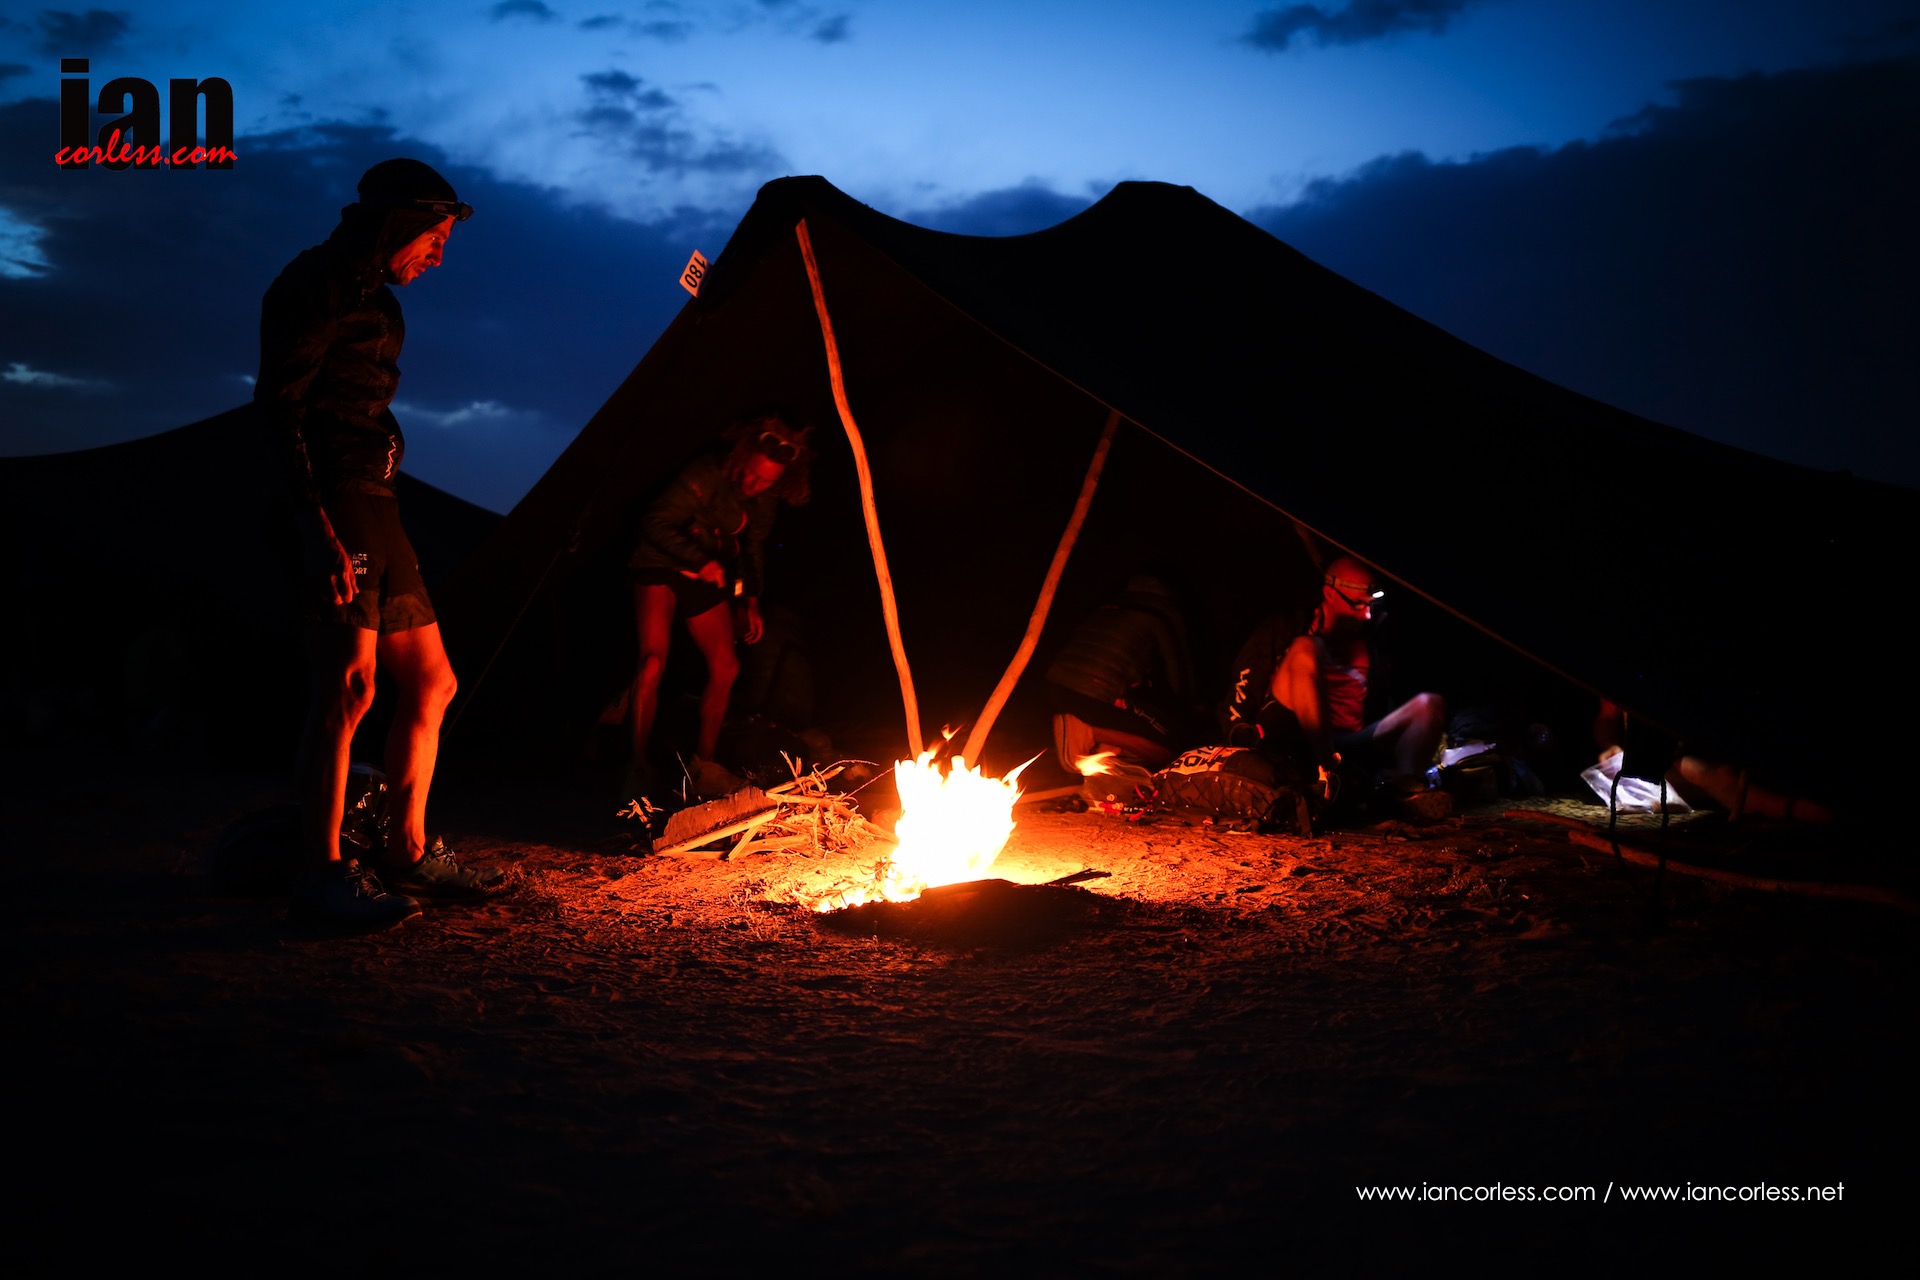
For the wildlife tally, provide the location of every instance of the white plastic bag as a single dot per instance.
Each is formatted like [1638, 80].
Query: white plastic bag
[1636, 795]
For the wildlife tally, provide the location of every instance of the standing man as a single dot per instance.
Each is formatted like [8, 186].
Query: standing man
[330, 337]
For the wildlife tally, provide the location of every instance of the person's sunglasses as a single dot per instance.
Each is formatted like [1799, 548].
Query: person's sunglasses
[1366, 595]
[776, 448]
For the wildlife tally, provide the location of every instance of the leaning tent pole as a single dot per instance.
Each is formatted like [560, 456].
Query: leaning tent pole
[887, 605]
[1002, 691]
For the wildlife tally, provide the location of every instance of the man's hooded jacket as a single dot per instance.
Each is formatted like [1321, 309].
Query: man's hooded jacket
[330, 338]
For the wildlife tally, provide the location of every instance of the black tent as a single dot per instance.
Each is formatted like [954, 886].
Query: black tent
[150, 584]
[1263, 394]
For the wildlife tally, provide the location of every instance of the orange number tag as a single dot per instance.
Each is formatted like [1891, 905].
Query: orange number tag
[696, 272]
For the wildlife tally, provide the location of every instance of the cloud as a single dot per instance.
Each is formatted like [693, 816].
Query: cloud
[1010, 211]
[541, 309]
[75, 35]
[1353, 23]
[522, 9]
[796, 18]
[667, 27]
[20, 253]
[619, 87]
[1738, 263]
[25, 376]
[666, 30]
[8, 70]
[645, 124]
[474, 412]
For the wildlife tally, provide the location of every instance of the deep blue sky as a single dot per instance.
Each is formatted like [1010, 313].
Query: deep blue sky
[1700, 212]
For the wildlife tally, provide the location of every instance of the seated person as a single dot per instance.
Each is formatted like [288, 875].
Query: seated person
[1122, 680]
[1311, 686]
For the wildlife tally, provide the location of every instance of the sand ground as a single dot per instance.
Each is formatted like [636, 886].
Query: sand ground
[641, 1064]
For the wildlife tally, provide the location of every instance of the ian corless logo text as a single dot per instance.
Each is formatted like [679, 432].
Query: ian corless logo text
[132, 139]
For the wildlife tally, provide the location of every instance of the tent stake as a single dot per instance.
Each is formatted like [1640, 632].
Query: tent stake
[1002, 691]
[915, 744]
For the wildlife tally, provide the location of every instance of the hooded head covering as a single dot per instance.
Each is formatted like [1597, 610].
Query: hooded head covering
[400, 200]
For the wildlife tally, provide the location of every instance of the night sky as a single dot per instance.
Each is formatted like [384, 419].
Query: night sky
[1699, 212]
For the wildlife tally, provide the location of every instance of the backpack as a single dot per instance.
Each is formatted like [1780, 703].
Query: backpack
[1237, 788]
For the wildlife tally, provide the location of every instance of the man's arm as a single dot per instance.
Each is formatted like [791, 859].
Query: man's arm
[1253, 668]
[298, 321]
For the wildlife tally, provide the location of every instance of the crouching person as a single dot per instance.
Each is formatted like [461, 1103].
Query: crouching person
[1120, 684]
[702, 558]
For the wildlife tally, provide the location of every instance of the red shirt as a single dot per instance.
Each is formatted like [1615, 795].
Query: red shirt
[1345, 665]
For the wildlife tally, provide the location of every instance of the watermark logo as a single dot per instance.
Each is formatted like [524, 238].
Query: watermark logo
[131, 140]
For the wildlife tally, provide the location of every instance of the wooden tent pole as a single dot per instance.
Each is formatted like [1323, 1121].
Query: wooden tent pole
[1002, 691]
[915, 743]
[1583, 835]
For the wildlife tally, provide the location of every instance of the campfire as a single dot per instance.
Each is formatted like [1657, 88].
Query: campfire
[954, 821]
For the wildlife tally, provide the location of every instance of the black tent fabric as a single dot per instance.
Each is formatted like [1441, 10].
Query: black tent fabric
[1727, 598]
[152, 583]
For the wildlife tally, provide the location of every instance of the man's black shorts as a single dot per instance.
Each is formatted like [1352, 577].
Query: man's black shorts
[389, 594]
[691, 596]
[1133, 719]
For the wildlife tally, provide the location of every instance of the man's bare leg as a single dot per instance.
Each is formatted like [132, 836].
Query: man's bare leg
[1725, 786]
[341, 665]
[653, 621]
[417, 661]
[1409, 735]
[712, 631]
[1075, 739]
[333, 891]
[423, 680]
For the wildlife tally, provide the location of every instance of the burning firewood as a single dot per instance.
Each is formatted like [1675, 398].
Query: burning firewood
[701, 824]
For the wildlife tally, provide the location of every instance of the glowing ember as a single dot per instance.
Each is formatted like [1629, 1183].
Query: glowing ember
[1095, 763]
[953, 823]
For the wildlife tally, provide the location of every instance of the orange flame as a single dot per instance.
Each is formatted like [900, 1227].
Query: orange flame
[953, 823]
[1095, 763]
